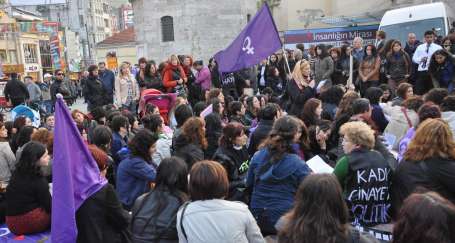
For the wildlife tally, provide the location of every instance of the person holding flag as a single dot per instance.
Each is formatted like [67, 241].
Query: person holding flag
[77, 182]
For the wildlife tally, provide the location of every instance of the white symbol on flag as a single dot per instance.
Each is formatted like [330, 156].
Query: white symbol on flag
[247, 46]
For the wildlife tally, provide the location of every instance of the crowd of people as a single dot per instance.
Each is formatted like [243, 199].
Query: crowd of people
[228, 162]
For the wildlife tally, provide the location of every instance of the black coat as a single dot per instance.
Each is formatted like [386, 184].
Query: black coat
[295, 98]
[435, 174]
[15, 90]
[101, 218]
[259, 135]
[152, 222]
[95, 93]
[189, 152]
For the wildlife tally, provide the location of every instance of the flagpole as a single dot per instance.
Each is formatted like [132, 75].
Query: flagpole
[286, 60]
[351, 70]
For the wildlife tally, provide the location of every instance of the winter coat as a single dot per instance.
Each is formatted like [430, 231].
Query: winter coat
[151, 82]
[121, 89]
[296, 98]
[204, 78]
[101, 218]
[217, 220]
[171, 75]
[274, 184]
[236, 164]
[323, 69]
[370, 68]
[16, 91]
[134, 176]
[434, 174]
[107, 78]
[259, 135]
[188, 151]
[95, 93]
[153, 224]
[397, 66]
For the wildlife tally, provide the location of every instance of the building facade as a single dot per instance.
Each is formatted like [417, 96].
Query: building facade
[200, 28]
[91, 20]
[122, 44]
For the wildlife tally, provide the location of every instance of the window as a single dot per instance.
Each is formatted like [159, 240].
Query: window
[13, 57]
[30, 53]
[45, 51]
[106, 23]
[167, 28]
[248, 18]
[3, 56]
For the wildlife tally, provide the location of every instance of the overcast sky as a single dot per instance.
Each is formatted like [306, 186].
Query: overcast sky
[34, 2]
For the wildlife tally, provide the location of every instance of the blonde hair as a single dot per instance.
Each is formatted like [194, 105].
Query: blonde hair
[297, 74]
[120, 73]
[433, 138]
[358, 133]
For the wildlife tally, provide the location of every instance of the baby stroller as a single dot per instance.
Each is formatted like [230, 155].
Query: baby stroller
[164, 102]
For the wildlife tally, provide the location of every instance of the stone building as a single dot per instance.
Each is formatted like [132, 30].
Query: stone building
[197, 27]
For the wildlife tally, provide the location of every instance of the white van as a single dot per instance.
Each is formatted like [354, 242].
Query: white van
[398, 23]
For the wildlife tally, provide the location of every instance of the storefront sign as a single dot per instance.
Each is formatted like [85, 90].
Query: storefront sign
[32, 68]
[330, 36]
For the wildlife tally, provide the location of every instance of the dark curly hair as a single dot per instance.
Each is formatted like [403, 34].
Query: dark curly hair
[141, 143]
[281, 138]
[28, 162]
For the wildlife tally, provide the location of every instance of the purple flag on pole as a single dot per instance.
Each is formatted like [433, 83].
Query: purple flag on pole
[75, 175]
[258, 40]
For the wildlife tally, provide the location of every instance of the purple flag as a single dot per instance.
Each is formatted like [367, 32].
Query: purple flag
[258, 40]
[75, 175]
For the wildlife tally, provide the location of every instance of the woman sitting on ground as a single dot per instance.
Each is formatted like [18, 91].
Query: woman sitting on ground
[28, 199]
[319, 214]
[155, 213]
[210, 218]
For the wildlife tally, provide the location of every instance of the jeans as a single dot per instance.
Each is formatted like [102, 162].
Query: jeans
[130, 107]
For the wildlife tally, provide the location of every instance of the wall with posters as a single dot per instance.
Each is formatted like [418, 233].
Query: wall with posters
[329, 36]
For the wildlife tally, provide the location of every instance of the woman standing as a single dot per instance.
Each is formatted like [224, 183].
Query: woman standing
[152, 78]
[28, 200]
[253, 107]
[398, 66]
[323, 65]
[275, 172]
[337, 75]
[429, 162]
[126, 89]
[442, 70]
[300, 88]
[174, 78]
[369, 69]
[319, 214]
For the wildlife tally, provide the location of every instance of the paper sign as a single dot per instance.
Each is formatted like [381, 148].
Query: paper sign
[207, 111]
[318, 165]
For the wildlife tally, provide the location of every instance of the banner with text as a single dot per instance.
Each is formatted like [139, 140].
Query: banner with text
[330, 36]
